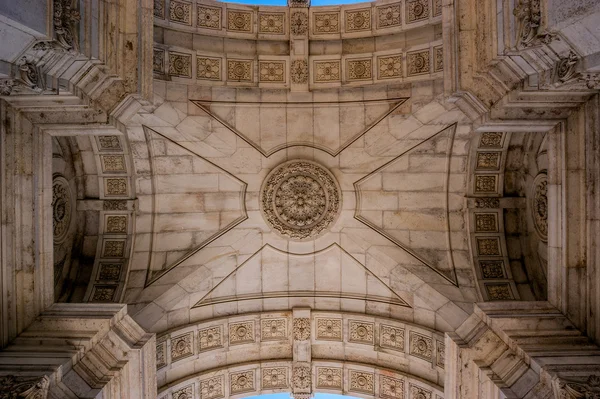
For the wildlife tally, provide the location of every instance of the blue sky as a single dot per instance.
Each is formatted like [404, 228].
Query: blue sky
[286, 395]
[284, 3]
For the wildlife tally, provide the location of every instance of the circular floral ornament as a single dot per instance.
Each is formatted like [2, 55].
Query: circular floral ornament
[300, 199]
[61, 208]
[539, 205]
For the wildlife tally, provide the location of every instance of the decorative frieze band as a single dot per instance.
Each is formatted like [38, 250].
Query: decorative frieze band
[271, 23]
[237, 333]
[282, 376]
[283, 71]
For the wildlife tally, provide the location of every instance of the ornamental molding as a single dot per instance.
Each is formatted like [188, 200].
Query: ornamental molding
[565, 389]
[62, 208]
[66, 23]
[301, 329]
[17, 387]
[300, 199]
[566, 67]
[539, 205]
[301, 378]
[528, 18]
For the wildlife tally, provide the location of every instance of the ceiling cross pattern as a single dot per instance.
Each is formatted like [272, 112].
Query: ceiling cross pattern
[447, 274]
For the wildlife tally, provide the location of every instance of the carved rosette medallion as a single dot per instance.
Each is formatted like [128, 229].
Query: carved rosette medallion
[300, 199]
[539, 205]
[61, 208]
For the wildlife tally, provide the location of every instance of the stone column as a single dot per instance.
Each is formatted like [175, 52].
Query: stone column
[301, 367]
[520, 350]
[81, 351]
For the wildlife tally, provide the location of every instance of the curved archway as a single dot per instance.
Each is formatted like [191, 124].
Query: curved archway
[303, 352]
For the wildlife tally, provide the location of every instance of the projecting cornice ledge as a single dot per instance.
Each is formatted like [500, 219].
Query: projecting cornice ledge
[503, 73]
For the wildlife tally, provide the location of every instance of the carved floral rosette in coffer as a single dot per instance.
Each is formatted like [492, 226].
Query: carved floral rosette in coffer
[300, 199]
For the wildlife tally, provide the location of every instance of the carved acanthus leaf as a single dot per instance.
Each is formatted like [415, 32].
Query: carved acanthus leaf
[13, 387]
[564, 389]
